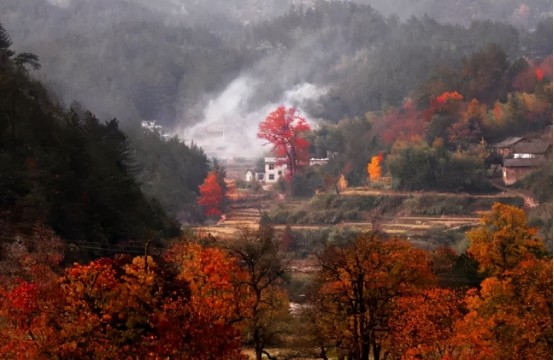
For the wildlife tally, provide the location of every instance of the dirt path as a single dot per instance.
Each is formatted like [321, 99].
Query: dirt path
[529, 200]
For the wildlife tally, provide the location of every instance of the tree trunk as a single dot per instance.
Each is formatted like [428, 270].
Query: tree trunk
[365, 348]
[376, 351]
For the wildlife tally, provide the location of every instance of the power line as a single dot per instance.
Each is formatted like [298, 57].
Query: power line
[90, 245]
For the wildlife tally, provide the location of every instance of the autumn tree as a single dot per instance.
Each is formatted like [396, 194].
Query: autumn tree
[211, 195]
[359, 285]
[503, 240]
[29, 310]
[216, 281]
[442, 112]
[258, 253]
[509, 317]
[286, 131]
[422, 325]
[111, 309]
[374, 167]
[29, 292]
[467, 129]
[400, 124]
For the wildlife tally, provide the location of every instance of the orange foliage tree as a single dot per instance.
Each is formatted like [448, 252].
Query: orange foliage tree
[359, 286]
[422, 325]
[286, 130]
[510, 317]
[216, 281]
[374, 167]
[211, 195]
[503, 240]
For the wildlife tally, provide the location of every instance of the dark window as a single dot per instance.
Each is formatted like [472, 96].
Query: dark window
[271, 177]
[271, 166]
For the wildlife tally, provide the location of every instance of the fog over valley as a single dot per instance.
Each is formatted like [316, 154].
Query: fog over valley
[195, 66]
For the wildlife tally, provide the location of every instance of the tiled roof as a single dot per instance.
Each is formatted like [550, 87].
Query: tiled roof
[522, 162]
[509, 142]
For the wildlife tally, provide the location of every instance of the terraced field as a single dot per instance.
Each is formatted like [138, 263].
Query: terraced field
[456, 210]
[247, 217]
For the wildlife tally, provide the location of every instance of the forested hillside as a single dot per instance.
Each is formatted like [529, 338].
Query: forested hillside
[143, 62]
[66, 169]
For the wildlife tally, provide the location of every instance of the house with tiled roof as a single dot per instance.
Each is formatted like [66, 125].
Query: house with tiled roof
[507, 146]
[524, 158]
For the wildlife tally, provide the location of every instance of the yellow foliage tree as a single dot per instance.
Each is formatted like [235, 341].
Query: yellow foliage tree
[503, 240]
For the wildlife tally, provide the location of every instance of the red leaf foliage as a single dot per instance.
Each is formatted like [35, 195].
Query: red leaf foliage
[211, 195]
[285, 130]
[403, 124]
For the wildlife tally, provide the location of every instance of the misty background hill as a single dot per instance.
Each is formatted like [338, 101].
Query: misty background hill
[216, 68]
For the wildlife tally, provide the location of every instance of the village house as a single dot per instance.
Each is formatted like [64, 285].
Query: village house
[536, 149]
[275, 168]
[524, 158]
[506, 147]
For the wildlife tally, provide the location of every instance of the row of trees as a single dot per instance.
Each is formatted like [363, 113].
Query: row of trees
[195, 301]
[375, 297]
[375, 301]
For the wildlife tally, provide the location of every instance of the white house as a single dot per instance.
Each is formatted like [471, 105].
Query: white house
[274, 169]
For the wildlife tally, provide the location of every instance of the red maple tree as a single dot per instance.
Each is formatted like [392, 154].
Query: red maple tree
[285, 129]
[211, 195]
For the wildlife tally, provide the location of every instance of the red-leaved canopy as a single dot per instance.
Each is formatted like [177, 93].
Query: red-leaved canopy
[285, 130]
[211, 195]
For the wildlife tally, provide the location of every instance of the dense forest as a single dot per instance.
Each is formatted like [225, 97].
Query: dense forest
[96, 257]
